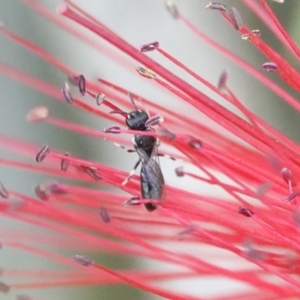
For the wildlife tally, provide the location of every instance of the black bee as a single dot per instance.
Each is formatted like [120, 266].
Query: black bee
[152, 179]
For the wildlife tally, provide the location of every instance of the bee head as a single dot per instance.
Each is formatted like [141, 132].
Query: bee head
[136, 120]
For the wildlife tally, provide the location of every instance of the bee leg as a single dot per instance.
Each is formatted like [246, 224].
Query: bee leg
[131, 173]
[124, 148]
[168, 156]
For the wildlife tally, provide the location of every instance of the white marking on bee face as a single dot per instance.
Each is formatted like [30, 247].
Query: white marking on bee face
[133, 142]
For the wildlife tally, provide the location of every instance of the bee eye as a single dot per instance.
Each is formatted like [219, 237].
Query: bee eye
[128, 116]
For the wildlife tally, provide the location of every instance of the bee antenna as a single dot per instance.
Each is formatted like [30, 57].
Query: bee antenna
[144, 107]
[132, 100]
[121, 112]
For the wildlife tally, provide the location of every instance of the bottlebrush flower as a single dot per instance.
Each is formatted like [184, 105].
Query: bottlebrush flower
[226, 228]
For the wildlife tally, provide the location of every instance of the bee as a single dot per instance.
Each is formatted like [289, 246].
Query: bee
[152, 180]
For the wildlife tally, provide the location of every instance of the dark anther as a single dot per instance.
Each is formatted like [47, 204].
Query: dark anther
[81, 84]
[66, 93]
[150, 206]
[64, 164]
[216, 6]
[104, 214]
[288, 177]
[179, 171]
[3, 191]
[43, 152]
[93, 172]
[100, 98]
[236, 18]
[41, 192]
[286, 174]
[222, 81]
[56, 188]
[270, 67]
[112, 129]
[149, 47]
[196, 144]
[245, 211]
[292, 196]
[83, 260]
[132, 201]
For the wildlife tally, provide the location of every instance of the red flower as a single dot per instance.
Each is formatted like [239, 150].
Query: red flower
[227, 230]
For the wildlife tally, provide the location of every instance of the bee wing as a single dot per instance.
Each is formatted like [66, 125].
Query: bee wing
[154, 173]
[155, 152]
[151, 168]
[142, 154]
